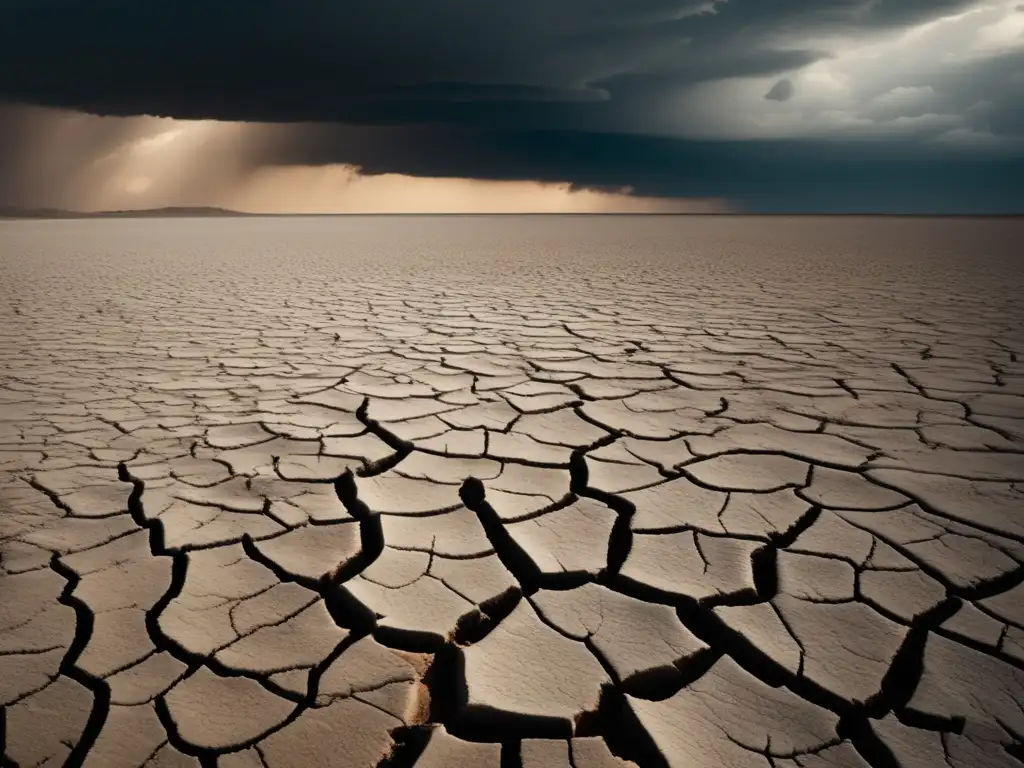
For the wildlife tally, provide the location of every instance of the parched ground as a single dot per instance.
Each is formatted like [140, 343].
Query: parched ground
[547, 493]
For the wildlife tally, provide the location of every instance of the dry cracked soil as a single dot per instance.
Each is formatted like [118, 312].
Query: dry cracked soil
[549, 493]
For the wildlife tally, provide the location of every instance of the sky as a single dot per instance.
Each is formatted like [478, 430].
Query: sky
[818, 106]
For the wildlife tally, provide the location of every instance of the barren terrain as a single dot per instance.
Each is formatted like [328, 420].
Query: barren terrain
[509, 492]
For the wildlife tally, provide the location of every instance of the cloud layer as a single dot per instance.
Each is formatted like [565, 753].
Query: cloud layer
[751, 99]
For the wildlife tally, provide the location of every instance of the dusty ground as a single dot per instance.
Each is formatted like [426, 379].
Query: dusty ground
[464, 493]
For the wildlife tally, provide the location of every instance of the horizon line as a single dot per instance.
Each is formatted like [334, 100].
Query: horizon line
[17, 213]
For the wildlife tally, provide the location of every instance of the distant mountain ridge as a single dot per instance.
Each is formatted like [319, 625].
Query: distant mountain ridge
[145, 213]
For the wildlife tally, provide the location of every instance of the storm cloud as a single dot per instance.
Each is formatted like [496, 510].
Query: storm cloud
[751, 99]
[400, 61]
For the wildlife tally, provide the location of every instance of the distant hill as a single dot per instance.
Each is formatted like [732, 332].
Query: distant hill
[146, 213]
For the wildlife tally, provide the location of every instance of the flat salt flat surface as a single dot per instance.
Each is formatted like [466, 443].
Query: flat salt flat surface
[538, 491]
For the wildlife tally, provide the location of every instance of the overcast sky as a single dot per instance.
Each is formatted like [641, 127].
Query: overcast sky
[310, 105]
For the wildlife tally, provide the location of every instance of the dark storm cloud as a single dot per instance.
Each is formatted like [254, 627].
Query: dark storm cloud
[813, 176]
[781, 91]
[383, 60]
[547, 90]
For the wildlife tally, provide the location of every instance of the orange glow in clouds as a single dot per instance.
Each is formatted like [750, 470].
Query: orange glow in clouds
[161, 162]
[341, 189]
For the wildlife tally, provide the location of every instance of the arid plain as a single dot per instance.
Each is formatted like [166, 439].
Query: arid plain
[550, 492]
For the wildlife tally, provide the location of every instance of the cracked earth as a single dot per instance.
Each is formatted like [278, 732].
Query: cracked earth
[427, 492]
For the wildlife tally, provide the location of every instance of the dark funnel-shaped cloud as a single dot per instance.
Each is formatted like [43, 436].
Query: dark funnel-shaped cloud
[781, 91]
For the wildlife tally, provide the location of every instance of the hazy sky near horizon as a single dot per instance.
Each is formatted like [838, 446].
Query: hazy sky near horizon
[577, 105]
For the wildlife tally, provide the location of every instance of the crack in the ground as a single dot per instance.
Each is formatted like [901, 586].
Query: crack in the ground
[84, 619]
